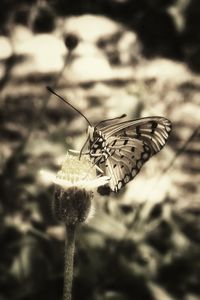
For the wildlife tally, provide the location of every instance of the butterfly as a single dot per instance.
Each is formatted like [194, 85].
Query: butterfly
[120, 149]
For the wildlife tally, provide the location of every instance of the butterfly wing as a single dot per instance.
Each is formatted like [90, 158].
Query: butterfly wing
[139, 128]
[125, 161]
[129, 145]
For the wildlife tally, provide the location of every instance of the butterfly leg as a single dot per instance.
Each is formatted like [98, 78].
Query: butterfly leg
[78, 152]
[97, 157]
[99, 169]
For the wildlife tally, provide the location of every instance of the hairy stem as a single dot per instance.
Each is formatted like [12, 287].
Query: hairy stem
[69, 261]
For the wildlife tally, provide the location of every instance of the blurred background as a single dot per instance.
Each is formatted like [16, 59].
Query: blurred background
[107, 57]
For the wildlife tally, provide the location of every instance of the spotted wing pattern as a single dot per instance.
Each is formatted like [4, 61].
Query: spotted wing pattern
[126, 146]
[124, 162]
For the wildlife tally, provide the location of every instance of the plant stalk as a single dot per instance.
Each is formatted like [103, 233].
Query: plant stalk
[69, 261]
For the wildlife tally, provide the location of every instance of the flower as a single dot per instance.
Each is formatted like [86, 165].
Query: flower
[79, 173]
[74, 185]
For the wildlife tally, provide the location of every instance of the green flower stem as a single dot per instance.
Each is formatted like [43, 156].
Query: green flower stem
[69, 261]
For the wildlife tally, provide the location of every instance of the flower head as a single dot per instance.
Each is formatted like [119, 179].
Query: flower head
[78, 173]
[74, 189]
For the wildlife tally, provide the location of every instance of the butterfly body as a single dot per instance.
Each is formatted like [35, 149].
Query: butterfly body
[98, 148]
[121, 149]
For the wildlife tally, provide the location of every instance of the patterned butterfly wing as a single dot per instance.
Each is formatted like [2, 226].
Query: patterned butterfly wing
[128, 145]
[152, 130]
[124, 162]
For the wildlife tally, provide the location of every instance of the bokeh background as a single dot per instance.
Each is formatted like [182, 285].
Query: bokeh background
[107, 57]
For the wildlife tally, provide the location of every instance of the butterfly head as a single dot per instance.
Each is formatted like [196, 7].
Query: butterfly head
[90, 133]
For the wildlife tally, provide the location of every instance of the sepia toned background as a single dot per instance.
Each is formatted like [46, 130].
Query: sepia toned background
[106, 57]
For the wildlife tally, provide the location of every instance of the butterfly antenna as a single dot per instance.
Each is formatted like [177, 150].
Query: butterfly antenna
[112, 119]
[53, 92]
